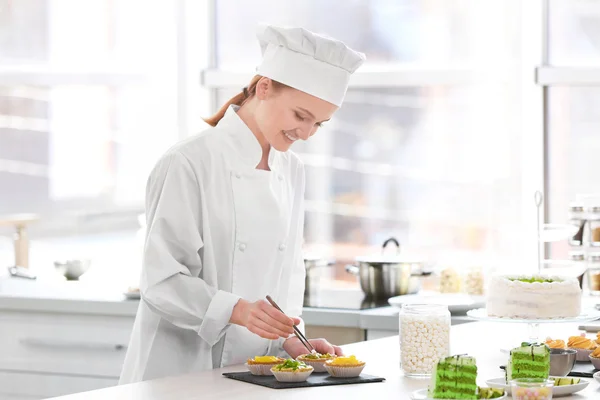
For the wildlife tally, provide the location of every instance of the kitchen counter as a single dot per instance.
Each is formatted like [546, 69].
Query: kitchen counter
[81, 298]
[482, 340]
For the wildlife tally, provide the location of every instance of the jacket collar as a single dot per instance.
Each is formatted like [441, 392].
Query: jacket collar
[244, 141]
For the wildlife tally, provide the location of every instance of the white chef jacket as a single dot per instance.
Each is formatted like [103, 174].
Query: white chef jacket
[218, 230]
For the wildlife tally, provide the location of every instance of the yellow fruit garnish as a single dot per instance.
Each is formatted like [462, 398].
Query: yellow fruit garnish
[556, 344]
[579, 342]
[265, 359]
[345, 361]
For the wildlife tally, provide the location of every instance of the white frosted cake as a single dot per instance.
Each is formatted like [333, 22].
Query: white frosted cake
[533, 297]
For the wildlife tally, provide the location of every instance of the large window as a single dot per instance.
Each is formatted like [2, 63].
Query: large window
[90, 96]
[430, 154]
[573, 80]
[463, 110]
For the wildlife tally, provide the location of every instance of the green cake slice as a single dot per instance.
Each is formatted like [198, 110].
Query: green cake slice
[531, 360]
[454, 378]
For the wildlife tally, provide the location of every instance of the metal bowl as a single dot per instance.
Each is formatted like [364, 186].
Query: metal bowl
[562, 361]
[72, 269]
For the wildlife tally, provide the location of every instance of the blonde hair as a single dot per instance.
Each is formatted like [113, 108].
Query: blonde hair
[239, 99]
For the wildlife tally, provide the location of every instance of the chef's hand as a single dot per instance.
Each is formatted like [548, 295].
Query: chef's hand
[262, 319]
[294, 347]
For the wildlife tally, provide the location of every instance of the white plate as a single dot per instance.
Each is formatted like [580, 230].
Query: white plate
[480, 314]
[456, 302]
[421, 394]
[597, 376]
[132, 295]
[500, 383]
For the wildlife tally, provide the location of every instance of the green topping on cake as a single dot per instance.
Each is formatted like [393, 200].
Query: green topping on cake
[454, 378]
[529, 361]
[527, 344]
[534, 279]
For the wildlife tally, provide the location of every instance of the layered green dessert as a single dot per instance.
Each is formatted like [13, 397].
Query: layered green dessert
[454, 378]
[531, 360]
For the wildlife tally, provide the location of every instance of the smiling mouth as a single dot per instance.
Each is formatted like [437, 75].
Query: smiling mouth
[290, 137]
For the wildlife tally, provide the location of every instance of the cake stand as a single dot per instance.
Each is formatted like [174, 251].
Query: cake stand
[533, 325]
[545, 233]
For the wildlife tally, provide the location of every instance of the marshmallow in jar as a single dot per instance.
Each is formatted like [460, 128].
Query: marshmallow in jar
[424, 337]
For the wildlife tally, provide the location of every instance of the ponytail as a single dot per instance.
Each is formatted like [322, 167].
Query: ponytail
[239, 99]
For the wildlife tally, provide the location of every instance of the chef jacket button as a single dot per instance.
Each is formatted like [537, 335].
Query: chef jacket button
[281, 247]
[237, 175]
[242, 247]
[280, 177]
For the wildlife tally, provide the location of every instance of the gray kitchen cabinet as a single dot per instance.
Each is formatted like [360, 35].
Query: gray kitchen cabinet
[52, 354]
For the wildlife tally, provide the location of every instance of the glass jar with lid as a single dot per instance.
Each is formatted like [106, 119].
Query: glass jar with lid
[474, 281]
[593, 273]
[424, 337]
[579, 266]
[577, 218]
[594, 225]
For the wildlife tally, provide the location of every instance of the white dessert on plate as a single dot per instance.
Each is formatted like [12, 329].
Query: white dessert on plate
[533, 297]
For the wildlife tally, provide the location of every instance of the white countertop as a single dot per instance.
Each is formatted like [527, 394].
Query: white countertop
[83, 298]
[482, 340]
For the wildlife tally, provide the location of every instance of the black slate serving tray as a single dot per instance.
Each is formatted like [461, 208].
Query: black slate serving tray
[313, 380]
[583, 370]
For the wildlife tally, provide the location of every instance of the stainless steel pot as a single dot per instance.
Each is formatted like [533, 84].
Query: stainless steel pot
[385, 276]
[310, 263]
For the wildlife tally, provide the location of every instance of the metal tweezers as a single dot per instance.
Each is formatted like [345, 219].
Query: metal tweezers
[297, 332]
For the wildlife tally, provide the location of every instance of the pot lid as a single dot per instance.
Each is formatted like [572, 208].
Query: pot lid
[390, 256]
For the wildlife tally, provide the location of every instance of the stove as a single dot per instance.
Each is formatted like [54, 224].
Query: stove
[343, 299]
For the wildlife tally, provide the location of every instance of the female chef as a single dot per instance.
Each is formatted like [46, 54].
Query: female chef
[225, 218]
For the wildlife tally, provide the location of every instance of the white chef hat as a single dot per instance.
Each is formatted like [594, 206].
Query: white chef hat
[313, 63]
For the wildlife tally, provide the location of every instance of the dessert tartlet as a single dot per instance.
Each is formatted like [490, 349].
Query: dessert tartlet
[556, 343]
[595, 358]
[316, 360]
[261, 365]
[583, 345]
[292, 371]
[344, 367]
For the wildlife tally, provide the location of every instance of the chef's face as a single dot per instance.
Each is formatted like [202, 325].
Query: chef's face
[285, 115]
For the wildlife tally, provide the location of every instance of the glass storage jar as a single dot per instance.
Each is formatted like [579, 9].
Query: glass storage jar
[593, 273]
[577, 219]
[594, 226]
[579, 265]
[424, 337]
